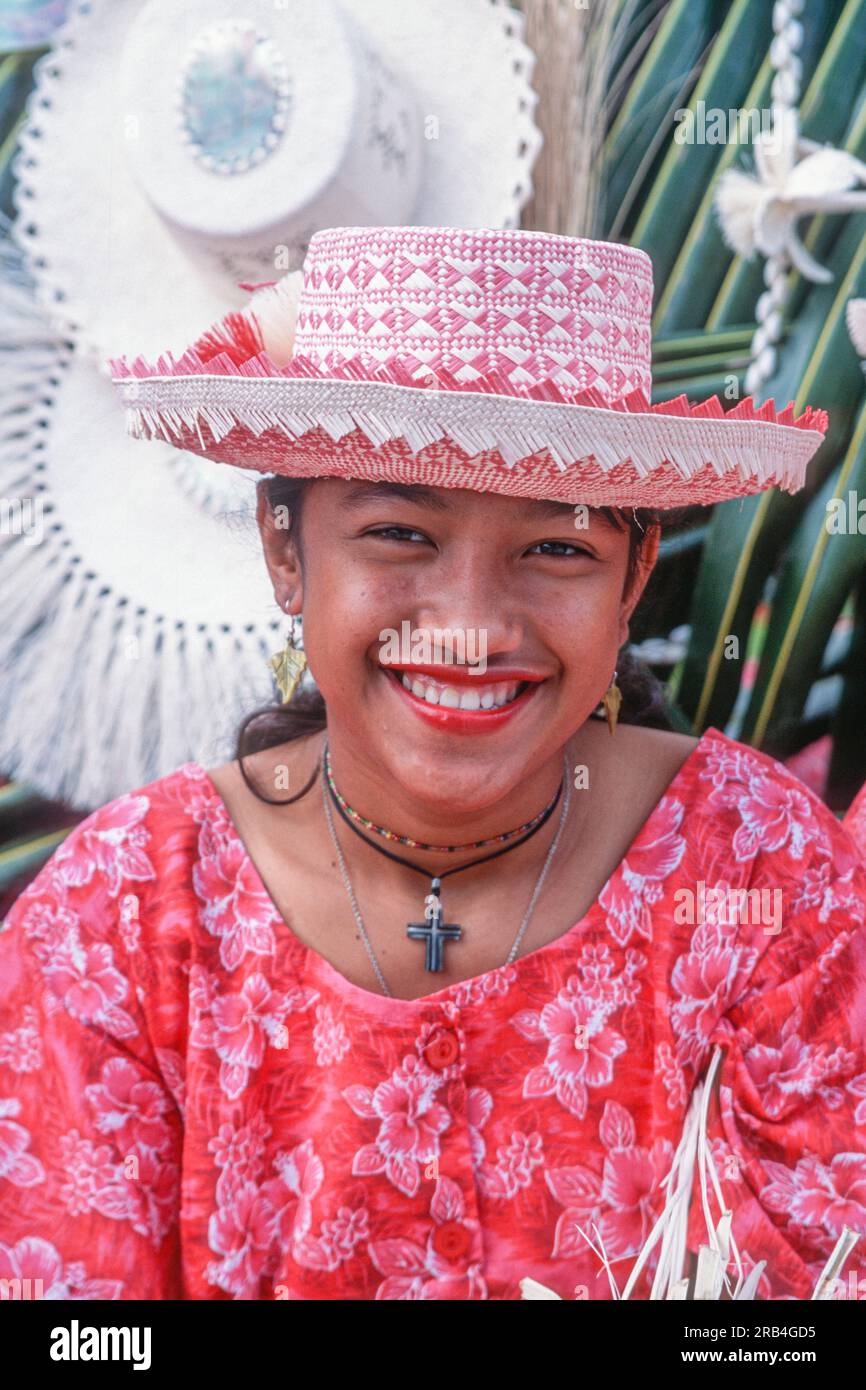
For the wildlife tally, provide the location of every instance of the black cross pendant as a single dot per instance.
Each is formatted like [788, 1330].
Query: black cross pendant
[433, 931]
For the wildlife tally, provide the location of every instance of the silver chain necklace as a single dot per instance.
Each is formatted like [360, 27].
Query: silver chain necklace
[554, 844]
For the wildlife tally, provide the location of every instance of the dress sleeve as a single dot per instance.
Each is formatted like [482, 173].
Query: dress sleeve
[787, 1130]
[854, 822]
[90, 1134]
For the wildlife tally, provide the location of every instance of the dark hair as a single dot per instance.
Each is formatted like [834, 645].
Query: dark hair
[643, 698]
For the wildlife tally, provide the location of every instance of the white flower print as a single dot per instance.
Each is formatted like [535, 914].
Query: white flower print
[410, 1122]
[581, 1046]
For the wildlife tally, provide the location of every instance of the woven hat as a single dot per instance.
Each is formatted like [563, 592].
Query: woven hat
[508, 361]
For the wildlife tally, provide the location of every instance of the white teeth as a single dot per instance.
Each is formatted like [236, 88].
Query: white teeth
[480, 697]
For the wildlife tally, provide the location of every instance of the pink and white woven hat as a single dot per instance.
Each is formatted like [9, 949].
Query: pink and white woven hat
[506, 361]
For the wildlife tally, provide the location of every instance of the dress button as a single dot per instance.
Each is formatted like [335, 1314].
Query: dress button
[451, 1240]
[442, 1051]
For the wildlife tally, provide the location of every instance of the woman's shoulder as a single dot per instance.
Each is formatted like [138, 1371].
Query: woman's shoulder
[657, 754]
[779, 830]
[124, 835]
[723, 772]
[749, 777]
[760, 811]
[99, 943]
[126, 852]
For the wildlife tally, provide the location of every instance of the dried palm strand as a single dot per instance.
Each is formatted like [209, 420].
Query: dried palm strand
[572, 44]
[711, 1276]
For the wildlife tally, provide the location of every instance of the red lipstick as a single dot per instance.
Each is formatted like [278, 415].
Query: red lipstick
[466, 675]
[464, 721]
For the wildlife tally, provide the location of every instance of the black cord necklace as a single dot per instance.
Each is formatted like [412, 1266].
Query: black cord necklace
[434, 931]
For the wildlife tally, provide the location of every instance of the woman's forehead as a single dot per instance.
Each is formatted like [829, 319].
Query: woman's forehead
[355, 494]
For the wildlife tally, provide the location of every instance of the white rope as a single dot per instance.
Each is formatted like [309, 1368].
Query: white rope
[793, 177]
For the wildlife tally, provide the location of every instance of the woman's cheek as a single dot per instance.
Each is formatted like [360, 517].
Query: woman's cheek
[585, 635]
[339, 634]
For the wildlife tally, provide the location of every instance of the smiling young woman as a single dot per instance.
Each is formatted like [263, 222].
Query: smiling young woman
[552, 605]
[422, 992]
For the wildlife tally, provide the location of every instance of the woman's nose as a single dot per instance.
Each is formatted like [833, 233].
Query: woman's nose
[475, 600]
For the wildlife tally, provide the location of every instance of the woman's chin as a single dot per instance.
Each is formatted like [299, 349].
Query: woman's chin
[446, 761]
[447, 800]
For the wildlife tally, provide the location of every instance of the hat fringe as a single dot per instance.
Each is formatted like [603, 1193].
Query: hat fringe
[149, 694]
[291, 426]
[426, 377]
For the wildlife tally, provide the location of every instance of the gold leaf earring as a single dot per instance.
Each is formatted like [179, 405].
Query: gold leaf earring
[289, 665]
[612, 699]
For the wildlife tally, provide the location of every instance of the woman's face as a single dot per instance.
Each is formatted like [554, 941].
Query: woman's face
[526, 598]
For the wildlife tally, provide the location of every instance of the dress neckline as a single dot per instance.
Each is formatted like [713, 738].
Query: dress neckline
[396, 1007]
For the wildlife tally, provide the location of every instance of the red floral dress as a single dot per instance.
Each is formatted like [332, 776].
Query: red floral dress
[193, 1104]
[855, 821]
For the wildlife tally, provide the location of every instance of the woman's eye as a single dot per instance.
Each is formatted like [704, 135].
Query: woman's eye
[396, 533]
[558, 548]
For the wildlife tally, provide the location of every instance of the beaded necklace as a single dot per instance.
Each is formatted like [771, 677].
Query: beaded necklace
[355, 816]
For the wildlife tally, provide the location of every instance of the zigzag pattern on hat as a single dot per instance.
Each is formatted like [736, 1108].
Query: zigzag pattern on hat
[665, 456]
[398, 372]
[477, 302]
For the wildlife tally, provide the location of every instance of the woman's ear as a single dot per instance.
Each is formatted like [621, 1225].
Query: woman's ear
[644, 566]
[280, 551]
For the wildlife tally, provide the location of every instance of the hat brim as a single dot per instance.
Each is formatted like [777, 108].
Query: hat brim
[601, 456]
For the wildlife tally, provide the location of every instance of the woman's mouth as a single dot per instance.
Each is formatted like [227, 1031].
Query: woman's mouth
[465, 703]
[492, 696]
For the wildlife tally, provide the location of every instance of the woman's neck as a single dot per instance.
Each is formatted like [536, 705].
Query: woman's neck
[391, 804]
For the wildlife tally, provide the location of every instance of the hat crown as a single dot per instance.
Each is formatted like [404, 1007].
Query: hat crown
[532, 306]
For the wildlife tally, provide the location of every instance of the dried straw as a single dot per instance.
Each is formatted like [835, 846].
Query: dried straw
[573, 47]
[712, 1279]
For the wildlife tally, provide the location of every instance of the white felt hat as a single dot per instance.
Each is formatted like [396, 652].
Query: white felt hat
[174, 150]
[138, 623]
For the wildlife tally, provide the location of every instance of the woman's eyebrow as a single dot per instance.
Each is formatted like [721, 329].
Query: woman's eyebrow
[545, 507]
[389, 492]
[534, 508]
